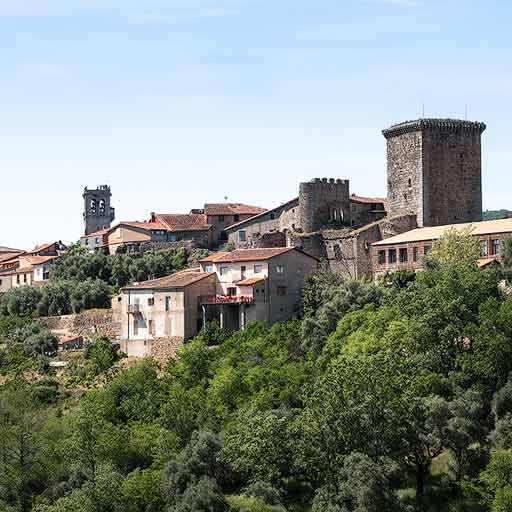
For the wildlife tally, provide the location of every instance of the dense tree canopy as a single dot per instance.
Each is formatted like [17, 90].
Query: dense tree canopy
[390, 398]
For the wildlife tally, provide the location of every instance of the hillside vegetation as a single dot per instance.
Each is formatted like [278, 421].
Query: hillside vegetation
[395, 398]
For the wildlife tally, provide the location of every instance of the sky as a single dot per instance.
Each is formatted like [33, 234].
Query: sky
[174, 103]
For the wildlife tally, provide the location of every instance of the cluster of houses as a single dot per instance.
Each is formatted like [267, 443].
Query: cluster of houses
[260, 257]
[27, 268]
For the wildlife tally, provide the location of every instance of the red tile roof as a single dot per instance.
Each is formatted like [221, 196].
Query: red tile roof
[255, 254]
[10, 250]
[250, 282]
[179, 280]
[366, 200]
[213, 257]
[141, 225]
[182, 222]
[42, 247]
[232, 209]
[99, 233]
[8, 256]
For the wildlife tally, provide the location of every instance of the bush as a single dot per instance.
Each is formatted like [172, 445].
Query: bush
[101, 352]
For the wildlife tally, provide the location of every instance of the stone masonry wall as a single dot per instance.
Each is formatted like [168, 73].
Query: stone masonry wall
[435, 171]
[452, 176]
[321, 201]
[405, 165]
[102, 321]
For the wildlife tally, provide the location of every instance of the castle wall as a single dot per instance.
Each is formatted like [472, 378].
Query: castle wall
[452, 176]
[323, 202]
[435, 171]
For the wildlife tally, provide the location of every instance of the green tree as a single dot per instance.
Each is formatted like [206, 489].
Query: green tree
[456, 248]
[21, 420]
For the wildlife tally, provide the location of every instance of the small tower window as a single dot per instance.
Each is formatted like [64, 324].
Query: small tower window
[102, 205]
[93, 205]
[409, 183]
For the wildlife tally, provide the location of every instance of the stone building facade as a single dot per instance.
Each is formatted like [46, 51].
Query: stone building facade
[98, 214]
[435, 170]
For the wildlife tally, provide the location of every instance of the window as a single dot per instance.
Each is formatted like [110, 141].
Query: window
[135, 327]
[167, 303]
[151, 327]
[0, 282]
[242, 236]
[93, 206]
[409, 183]
[151, 301]
[223, 236]
[208, 267]
[427, 249]
[86, 241]
[483, 248]
[97, 240]
[231, 292]
[392, 255]
[18, 279]
[221, 218]
[281, 291]
[173, 238]
[272, 216]
[414, 254]
[382, 257]
[236, 217]
[403, 255]
[102, 205]
[258, 269]
[280, 269]
[223, 271]
[24, 278]
[495, 247]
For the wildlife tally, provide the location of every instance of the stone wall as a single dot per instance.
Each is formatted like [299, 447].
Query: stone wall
[161, 349]
[265, 240]
[349, 252]
[322, 201]
[435, 171]
[102, 321]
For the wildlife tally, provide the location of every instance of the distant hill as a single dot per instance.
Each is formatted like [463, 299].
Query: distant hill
[496, 214]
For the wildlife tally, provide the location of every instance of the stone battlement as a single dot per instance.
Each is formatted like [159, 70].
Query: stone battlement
[434, 124]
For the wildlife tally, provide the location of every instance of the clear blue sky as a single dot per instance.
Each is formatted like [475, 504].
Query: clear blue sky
[178, 102]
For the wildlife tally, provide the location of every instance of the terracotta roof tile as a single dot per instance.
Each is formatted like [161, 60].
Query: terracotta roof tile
[254, 254]
[8, 256]
[141, 225]
[367, 200]
[213, 257]
[183, 222]
[289, 204]
[250, 282]
[232, 209]
[178, 280]
[10, 250]
[486, 227]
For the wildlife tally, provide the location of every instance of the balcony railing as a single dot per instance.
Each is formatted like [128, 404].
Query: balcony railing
[134, 309]
[227, 299]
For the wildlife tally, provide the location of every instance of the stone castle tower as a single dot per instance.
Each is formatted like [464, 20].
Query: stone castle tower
[98, 214]
[322, 201]
[435, 170]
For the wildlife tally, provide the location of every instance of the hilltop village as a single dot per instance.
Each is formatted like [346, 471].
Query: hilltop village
[255, 261]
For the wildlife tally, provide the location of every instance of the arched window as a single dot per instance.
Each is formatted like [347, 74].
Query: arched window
[102, 205]
[93, 205]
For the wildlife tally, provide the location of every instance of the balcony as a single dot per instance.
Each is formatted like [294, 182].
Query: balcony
[227, 299]
[133, 309]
